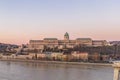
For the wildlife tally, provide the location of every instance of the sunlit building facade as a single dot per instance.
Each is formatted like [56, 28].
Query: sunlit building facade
[60, 44]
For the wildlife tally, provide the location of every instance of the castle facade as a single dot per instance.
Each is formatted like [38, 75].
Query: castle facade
[65, 43]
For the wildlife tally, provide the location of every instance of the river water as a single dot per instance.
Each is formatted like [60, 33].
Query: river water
[37, 71]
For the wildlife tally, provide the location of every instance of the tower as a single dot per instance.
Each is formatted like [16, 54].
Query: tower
[66, 36]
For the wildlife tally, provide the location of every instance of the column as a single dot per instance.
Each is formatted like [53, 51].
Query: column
[116, 73]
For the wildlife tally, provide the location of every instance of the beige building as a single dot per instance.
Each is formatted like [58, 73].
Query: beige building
[60, 44]
[65, 43]
[100, 43]
[80, 55]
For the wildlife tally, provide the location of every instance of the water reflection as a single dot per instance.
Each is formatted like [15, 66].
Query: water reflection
[37, 71]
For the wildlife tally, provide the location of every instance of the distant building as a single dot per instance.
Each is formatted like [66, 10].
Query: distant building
[115, 42]
[84, 41]
[80, 55]
[66, 43]
[100, 43]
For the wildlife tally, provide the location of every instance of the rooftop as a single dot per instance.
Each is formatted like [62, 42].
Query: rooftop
[66, 34]
[50, 39]
[83, 39]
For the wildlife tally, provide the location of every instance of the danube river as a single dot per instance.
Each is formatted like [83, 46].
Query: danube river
[37, 71]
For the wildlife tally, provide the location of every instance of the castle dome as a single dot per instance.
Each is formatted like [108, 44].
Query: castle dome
[66, 34]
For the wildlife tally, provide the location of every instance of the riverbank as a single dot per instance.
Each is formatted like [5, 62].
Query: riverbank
[57, 62]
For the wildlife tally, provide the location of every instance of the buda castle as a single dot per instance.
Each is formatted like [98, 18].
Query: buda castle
[65, 43]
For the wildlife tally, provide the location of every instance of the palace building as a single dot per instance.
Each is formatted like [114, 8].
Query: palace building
[60, 44]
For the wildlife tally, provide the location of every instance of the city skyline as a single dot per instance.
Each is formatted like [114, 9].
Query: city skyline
[23, 20]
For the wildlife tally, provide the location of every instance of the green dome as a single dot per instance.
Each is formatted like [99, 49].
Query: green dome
[66, 34]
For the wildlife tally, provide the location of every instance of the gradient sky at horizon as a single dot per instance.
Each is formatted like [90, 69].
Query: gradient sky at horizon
[22, 20]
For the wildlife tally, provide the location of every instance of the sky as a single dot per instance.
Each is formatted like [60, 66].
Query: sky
[24, 20]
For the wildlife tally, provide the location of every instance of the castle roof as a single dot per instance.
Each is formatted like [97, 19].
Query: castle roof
[83, 39]
[50, 39]
[66, 34]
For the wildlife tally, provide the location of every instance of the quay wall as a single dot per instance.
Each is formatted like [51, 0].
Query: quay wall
[57, 62]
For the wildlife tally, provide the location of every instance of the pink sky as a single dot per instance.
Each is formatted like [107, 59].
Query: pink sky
[23, 20]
